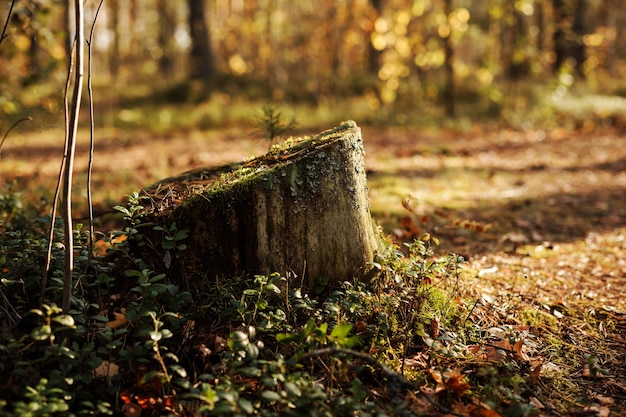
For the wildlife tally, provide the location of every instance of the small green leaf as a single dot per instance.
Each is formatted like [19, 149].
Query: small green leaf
[351, 342]
[308, 327]
[292, 389]
[287, 337]
[245, 405]
[341, 330]
[181, 234]
[64, 320]
[152, 375]
[273, 287]
[270, 396]
[179, 370]
[42, 332]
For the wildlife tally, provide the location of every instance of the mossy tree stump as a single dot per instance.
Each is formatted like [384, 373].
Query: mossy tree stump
[302, 209]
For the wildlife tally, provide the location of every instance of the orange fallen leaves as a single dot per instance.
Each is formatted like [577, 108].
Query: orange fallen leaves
[477, 409]
[119, 320]
[102, 246]
[449, 381]
[434, 327]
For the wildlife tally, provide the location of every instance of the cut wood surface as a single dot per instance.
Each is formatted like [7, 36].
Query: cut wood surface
[300, 210]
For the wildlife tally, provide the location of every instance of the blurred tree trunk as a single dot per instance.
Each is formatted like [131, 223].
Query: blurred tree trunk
[167, 28]
[132, 56]
[514, 60]
[34, 66]
[67, 44]
[541, 23]
[33, 74]
[114, 25]
[448, 64]
[560, 33]
[373, 54]
[335, 30]
[609, 28]
[569, 23]
[579, 30]
[202, 62]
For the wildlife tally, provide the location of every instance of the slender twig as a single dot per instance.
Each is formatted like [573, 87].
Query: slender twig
[91, 135]
[71, 151]
[6, 23]
[57, 191]
[13, 126]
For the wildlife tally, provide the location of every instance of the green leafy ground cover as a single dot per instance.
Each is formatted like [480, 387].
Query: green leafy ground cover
[501, 291]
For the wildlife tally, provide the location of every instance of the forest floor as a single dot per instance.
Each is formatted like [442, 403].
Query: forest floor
[539, 216]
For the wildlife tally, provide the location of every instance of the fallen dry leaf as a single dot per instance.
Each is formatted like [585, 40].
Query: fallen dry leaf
[453, 381]
[518, 347]
[457, 383]
[434, 328]
[418, 361]
[599, 411]
[106, 369]
[538, 404]
[119, 321]
[536, 372]
[477, 409]
[604, 400]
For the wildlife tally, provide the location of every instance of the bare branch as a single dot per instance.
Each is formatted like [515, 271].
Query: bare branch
[91, 134]
[6, 23]
[57, 191]
[13, 126]
[71, 151]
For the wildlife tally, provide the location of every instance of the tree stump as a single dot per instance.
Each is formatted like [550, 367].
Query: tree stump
[302, 209]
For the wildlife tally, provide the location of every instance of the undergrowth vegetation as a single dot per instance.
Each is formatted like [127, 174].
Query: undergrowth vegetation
[135, 343]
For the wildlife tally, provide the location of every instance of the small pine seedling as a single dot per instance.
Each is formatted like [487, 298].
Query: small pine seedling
[272, 124]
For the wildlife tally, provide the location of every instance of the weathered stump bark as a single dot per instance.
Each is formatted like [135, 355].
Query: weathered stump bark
[303, 208]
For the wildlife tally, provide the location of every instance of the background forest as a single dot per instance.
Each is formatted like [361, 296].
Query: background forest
[400, 58]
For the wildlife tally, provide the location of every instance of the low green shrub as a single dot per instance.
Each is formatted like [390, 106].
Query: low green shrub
[135, 344]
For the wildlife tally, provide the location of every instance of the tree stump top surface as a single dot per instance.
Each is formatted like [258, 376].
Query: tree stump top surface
[168, 193]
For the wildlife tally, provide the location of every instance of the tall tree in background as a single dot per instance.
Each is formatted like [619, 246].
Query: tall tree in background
[515, 40]
[568, 34]
[373, 54]
[167, 28]
[66, 19]
[578, 29]
[448, 63]
[34, 49]
[607, 25]
[114, 26]
[202, 62]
